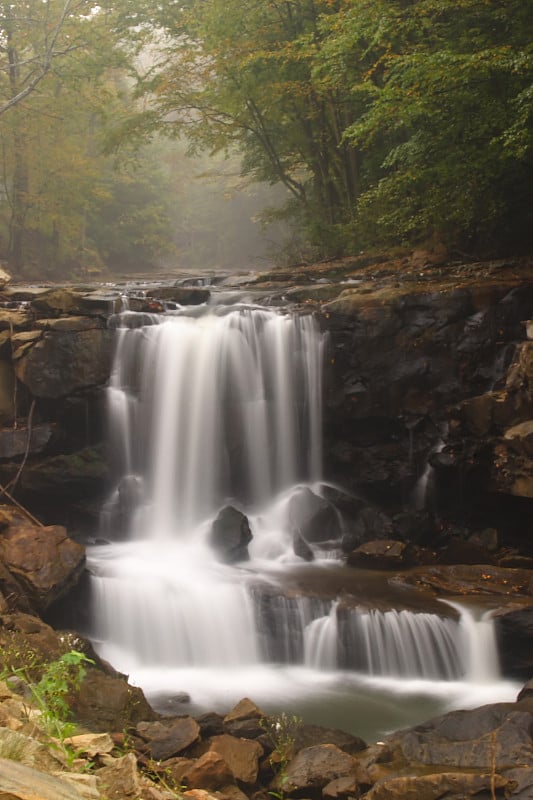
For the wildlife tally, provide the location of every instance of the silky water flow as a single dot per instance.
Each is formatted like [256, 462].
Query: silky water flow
[224, 408]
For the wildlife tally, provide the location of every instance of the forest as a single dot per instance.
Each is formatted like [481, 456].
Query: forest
[137, 135]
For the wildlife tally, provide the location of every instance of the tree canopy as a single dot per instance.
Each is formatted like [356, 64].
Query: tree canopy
[389, 121]
[386, 122]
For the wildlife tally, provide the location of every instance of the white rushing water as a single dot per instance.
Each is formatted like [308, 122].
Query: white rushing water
[217, 409]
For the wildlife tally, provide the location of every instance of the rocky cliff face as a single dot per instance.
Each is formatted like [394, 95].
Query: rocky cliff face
[429, 399]
[430, 404]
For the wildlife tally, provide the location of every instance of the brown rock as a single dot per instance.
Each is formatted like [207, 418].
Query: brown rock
[43, 560]
[120, 779]
[7, 396]
[341, 787]
[57, 301]
[210, 771]
[245, 709]
[15, 318]
[451, 785]
[105, 703]
[200, 794]
[20, 782]
[177, 767]
[381, 554]
[241, 756]
[165, 741]
[494, 736]
[65, 361]
[315, 767]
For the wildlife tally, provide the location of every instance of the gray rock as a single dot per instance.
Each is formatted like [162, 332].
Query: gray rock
[230, 535]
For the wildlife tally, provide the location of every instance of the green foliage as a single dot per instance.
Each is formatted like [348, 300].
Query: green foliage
[388, 121]
[49, 694]
[281, 731]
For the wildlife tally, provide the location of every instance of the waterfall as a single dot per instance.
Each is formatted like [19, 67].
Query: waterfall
[225, 408]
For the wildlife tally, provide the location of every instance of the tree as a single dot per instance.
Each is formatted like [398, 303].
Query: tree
[32, 36]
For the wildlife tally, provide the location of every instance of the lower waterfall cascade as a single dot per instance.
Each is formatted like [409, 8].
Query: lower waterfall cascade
[222, 407]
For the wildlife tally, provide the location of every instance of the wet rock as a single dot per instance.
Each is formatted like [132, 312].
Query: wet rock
[210, 771]
[312, 518]
[370, 524]
[62, 362]
[491, 737]
[308, 735]
[463, 579]
[183, 295]
[167, 740]
[43, 560]
[383, 554]
[211, 724]
[57, 301]
[514, 633]
[230, 535]
[66, 478]
[20, 782]
[14, 441]
[449, 785]
[459, 551]
[314, 767]
[526, 692]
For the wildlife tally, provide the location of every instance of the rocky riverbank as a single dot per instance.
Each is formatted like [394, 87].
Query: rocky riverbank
[428, 415]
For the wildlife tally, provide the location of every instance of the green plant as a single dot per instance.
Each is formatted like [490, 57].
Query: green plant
[49, 695]
[281, 731]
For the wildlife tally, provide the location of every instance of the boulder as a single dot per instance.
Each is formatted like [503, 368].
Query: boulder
[313, 518]
[241, 756]
[369, 525]
[210, 771]
[54, 302]
[91, 744]
[346, 787]
[43, 560]
[15, 442]
[176, 768]
[120, 779]
[211, 724]
[167, 740]
[314, 767]
[308, 735]
[230, 535]
[245, 720]
[107, 703]
[62, 362]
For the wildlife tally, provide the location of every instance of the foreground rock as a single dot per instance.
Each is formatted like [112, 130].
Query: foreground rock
[480, 754]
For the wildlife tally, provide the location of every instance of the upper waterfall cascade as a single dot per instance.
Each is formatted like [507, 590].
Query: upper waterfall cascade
[208, 410]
